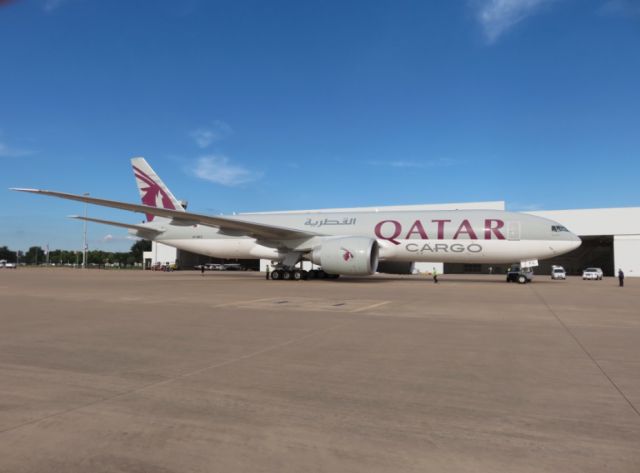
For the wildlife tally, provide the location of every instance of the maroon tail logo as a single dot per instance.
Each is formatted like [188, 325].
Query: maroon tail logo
[347, 255]
[151, 192]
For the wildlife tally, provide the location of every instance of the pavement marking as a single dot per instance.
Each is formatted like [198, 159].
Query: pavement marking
[586, 352]
[251, 301]
[372, 306]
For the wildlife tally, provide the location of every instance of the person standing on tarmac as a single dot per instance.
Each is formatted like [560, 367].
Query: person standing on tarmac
[202, 269]
[621, 277]
[434, 273]
[267, 273]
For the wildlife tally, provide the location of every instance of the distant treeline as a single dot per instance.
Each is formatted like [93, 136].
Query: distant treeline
[37, 255]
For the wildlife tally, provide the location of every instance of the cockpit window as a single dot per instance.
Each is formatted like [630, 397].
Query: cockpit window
[558, 228]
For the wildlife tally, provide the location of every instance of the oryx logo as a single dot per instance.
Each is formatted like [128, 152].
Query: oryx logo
[152, 194]
[347, 255]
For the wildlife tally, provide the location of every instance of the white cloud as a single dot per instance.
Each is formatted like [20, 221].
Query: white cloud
[219, 170]
[204, 136]
[7, 151]
[399, 163]
[498, 16]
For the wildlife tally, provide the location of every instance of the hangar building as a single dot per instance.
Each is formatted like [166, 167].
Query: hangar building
[610, 240]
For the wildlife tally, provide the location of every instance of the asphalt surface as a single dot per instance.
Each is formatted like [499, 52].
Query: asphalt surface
[127, 371]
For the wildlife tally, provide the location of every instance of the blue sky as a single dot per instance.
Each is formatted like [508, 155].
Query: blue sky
[251, 105]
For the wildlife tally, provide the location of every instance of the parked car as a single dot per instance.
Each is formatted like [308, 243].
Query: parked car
[211, 266]
[519, 275]
[558, 272]
[592, 273]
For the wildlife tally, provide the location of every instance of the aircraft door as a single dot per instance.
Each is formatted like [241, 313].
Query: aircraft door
[513, 232]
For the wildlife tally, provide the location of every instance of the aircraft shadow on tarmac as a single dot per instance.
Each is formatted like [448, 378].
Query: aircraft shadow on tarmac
[416, 280]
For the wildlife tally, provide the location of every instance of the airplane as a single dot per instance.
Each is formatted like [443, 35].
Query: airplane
[346, 242]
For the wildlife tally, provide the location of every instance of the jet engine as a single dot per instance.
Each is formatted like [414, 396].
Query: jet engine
[396, 267]
[347, 255]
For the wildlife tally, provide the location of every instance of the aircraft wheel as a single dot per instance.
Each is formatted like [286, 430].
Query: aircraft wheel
[304, 274]
[321, 274]
[313, 274]
[522, 279]
[286, 275]
[276, 274]
[296, 275]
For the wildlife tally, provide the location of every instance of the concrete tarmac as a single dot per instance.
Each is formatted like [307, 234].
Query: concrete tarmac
[130, 371]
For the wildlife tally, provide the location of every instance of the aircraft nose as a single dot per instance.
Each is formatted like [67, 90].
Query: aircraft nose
[567, 244]
[576, 241]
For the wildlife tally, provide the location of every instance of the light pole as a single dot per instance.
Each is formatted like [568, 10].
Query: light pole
[84, 246]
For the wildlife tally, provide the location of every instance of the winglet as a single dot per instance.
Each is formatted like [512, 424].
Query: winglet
[25, 189]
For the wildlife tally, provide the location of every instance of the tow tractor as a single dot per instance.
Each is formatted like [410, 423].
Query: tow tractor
[522, 273]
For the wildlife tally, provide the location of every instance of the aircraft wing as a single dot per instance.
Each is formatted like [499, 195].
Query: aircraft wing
[227, 225]
[139, 228]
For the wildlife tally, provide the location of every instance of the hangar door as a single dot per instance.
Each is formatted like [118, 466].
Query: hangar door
[595, 251]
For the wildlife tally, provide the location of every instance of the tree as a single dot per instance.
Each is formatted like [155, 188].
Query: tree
[140, 247]
[35, 255]
[7, 254]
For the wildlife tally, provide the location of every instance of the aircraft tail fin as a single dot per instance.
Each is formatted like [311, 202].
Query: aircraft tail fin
[153, 191]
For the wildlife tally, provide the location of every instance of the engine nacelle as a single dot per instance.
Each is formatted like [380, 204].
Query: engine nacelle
[396, 267]
[347, 255]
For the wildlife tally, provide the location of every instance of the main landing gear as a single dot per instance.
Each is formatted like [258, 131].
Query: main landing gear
[300, 275]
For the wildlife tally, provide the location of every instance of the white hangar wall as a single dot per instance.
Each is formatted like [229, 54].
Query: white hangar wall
[626, 250]
[591, 222]
[160, 253]
[490, 205]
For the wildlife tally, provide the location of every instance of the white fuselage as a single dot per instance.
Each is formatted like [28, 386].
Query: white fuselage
[470, 236]
[444, 251]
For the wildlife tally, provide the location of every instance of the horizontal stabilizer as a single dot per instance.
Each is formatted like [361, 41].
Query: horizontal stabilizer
[140, 228]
